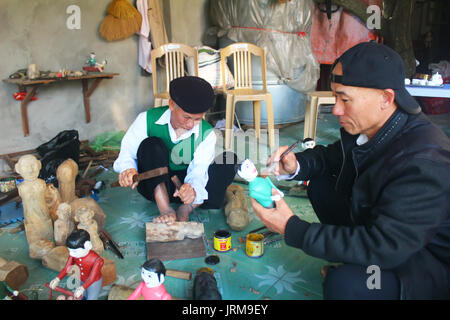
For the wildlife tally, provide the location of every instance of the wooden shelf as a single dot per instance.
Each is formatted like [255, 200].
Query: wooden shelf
[87, 91]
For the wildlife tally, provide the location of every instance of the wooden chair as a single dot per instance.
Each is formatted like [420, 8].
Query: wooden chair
[315, 99]
[243, 90]
[174, 64]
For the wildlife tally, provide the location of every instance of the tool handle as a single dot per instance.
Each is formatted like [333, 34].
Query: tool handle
[292, 147]
[176, 181]
[178, 274]
[117, 184]
[114, 184]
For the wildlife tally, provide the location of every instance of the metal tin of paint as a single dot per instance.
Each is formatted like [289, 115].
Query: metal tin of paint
[254, 246]
[222, 240]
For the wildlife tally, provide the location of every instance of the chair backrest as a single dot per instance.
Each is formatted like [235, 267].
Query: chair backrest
[174, 55]
[242, 60]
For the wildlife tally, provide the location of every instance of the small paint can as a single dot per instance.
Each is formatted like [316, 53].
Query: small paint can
[254, 246]
[222, 240]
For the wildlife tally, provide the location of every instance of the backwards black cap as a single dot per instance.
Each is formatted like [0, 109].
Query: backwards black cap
[374, 65]
[193, 94]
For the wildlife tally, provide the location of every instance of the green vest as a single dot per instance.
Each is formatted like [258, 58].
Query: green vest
[182, 152]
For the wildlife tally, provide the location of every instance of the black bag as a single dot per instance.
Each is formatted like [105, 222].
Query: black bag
[62, 147]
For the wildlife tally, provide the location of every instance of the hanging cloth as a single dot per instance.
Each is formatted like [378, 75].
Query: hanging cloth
[145, 45]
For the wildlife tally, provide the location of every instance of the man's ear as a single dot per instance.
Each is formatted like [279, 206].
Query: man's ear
[171, 105]
[388, 97]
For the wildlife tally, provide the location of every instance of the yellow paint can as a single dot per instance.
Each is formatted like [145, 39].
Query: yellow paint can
[254, 247]
[222, 240]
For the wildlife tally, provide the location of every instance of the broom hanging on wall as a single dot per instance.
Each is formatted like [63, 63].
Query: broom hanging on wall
[123, 20]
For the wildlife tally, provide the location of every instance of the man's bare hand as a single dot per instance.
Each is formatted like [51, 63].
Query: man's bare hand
[288, 165]
[126, 178]
[274, 219]
[186, 193]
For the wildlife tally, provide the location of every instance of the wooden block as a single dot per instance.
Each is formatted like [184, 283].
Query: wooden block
[108, 271]
[185, 249]
[161, 232]
[13, 273]
[56, 259]
[178, 274]
[41, 248]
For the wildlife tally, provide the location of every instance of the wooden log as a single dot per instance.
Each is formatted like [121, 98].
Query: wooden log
[184, 275]
[39, 249]
[56, 259]
[13, 273]
[108, 272]
[161, 232]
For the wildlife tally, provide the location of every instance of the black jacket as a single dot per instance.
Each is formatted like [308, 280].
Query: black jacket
[398, 186]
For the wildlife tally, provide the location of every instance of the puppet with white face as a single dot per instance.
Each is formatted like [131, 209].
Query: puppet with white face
[151, 288]
[260, 188]
[308, 143]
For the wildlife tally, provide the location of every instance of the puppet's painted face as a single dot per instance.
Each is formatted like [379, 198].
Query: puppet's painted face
[309, 144]
[151, 278]
[81, 252]
[248, 170]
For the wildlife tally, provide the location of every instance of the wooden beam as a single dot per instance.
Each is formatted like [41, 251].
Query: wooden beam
[158, 33]
[24, 111]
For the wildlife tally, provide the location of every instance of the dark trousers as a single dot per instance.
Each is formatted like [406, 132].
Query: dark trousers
[152, 153]
[346, 281]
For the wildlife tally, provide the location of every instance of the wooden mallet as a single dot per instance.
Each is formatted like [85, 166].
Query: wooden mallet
[145, 175]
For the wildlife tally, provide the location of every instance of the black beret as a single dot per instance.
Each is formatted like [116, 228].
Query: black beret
[193, 94]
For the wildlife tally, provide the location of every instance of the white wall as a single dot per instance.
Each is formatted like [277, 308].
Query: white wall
[34, 31]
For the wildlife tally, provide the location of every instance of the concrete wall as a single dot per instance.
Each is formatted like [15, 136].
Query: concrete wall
[34, 31]
[186, 20]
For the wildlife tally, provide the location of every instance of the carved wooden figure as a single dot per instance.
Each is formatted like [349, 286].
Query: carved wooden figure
[236, 209]
[66, 175]
[99, 214]
[53, 199]
[37, 221]
[84, 216]
[64, 225]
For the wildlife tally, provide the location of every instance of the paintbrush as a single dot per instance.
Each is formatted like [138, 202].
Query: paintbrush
[274, 164]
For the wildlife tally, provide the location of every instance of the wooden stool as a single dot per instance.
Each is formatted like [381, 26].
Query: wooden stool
[315, 99]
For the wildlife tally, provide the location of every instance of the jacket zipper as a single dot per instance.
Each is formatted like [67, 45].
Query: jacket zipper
[339, 176]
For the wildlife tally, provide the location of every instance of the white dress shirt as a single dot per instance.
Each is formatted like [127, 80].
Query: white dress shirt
[197, 171]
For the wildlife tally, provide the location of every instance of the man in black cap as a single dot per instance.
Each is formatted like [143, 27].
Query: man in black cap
[176, 136]
[381, 192]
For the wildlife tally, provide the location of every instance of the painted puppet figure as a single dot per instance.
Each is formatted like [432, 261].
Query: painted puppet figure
[151, 288]
[260, 188]
[89, 263]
